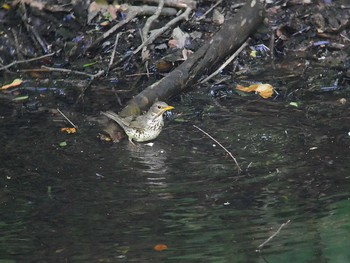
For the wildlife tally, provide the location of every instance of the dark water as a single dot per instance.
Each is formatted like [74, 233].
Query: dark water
[100, 202]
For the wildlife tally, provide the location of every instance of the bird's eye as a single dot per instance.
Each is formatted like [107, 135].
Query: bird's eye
[159, 107]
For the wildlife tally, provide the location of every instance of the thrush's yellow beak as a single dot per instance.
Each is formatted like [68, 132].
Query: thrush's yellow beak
[168, 108]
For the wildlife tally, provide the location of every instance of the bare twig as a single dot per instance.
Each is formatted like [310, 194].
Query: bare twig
[145, 31]
[151, 19]
[92, 76]
[132, 12]
[229, 153]
[226, 62]
[273, 235]
[113, 52]
[183, 16]
[176, 3]
[26, 61]
[67, 118]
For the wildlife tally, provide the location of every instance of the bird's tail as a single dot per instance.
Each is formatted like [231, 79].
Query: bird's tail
[114, 116]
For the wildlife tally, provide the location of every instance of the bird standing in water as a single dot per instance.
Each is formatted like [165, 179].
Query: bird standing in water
[143, 128]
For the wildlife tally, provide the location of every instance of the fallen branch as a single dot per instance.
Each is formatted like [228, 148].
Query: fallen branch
[228, 152]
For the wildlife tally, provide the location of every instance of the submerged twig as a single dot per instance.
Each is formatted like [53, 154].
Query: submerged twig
[229, 153]
[273, 235]
[67, 118]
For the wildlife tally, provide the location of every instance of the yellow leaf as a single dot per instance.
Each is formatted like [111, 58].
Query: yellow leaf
[14, 83]
[6, 6]
[253, 53]
[264, 90]
[69, 130]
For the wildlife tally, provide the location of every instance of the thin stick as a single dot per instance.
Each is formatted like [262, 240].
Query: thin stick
[209, 10]
[67, 118]
[26, 61]
[229, 153]
[273, 235]
[113, 52]
[93, 76]
[226, 63]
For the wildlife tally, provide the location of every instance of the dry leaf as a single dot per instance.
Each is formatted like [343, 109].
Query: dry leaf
[264, 90]
[178, 38]
[160, 247]
[102, 7]
[69, 130]
[218, 18]
[14, 83]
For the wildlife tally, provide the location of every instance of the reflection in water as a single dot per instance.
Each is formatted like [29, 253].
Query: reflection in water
[152, 157]
[151, 161]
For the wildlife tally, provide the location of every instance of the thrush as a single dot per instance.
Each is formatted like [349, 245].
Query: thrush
[145, 127]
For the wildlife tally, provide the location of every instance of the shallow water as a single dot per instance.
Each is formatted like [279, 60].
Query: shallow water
[101, 202]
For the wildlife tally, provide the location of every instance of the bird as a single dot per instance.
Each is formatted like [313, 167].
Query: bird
[145, 127]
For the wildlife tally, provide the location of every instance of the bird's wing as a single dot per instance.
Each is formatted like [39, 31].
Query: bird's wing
[139, 122]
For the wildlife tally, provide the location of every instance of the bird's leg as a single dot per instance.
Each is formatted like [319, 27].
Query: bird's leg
[130, 140]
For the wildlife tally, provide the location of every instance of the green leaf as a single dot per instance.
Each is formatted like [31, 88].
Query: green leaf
[21, 98]
[294, 104]
[89, 64]
[63, 144]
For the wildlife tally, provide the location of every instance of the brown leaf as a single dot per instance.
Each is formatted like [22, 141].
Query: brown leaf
[160, 247]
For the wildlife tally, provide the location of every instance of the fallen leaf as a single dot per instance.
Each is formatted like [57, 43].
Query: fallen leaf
[294, 104]
[69, 130]
[6, 6]
[264, 90]
[63, 144]
[253, 53]
[160, 247]
[104, 138]
[14, 83]
[218, 18]
[89, 64]
[104, 23]
[21, 98]
[178, 38]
